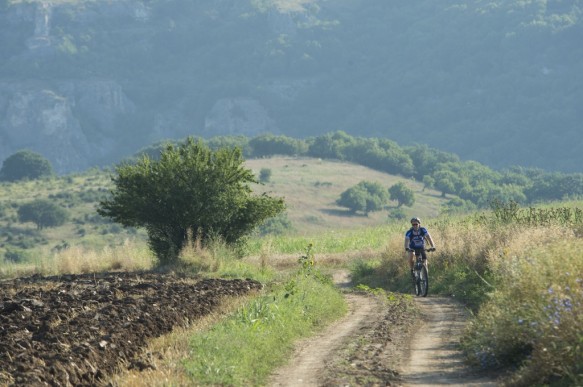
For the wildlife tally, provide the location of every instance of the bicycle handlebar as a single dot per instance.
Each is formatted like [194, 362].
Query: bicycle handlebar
[429, 249]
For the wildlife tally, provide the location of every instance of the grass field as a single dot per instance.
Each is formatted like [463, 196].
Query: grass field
[309, 187]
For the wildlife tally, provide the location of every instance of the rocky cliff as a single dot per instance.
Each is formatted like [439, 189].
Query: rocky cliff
[46, 117]
[86, 83]
[83, 119]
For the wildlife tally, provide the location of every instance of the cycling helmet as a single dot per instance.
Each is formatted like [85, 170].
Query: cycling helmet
[416, 220]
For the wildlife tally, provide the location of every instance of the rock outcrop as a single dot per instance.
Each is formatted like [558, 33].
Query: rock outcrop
[53, 119]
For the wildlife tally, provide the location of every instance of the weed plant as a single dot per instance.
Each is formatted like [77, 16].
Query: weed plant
[129, 256]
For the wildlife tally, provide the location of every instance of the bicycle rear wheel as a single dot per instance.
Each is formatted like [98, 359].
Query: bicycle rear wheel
[423, 282]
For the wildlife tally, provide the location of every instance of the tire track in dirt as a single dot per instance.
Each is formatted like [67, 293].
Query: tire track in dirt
[434, 359]
[309, 358]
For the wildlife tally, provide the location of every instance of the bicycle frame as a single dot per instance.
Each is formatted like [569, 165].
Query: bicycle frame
[419, 259]
[421, 280]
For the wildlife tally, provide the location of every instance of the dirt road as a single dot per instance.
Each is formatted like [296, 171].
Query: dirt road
[433, 359]
[375, 344]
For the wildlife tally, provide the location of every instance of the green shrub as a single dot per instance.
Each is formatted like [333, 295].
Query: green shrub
[459, 206]
[277, 225]
[365, 273]
[402, 194]
[265, 175]
[366, 197]
[268, 145]
[16, 256]
[190, 187]
[397, 214]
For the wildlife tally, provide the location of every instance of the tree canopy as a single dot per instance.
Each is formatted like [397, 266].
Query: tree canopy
[191, 188]
[402, 194]
[43, 213]
[366, 197]
[25, 164]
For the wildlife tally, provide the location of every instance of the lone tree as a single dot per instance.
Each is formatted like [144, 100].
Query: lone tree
[190, 187]
[402, 194]
[265, 175]
[366, 196]
[445, 181]
[25, 164]
[43, 213]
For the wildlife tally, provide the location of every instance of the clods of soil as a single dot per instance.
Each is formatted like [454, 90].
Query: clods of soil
[374, 355]
[74, 330]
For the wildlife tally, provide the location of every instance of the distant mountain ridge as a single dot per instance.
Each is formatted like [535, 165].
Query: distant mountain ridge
[86, 83]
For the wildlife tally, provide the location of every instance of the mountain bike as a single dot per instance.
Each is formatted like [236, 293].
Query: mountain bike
[421, 278]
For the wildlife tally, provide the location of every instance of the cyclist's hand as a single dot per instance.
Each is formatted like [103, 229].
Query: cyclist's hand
[432, 248]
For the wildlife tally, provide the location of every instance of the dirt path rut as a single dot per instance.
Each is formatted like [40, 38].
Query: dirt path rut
[433, 357]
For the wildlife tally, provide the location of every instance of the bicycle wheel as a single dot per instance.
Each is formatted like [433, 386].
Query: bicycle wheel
[423, 282]
[417, 283]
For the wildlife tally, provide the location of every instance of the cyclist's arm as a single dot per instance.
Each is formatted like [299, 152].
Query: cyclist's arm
[407, 241]
[430, 239]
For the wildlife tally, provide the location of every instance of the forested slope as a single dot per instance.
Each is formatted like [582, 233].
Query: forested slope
[494, 81]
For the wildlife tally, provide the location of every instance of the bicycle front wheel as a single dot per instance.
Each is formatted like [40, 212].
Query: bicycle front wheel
[423, 282]
[417, 283]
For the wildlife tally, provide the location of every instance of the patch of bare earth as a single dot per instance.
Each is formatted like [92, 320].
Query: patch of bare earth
[74, 330]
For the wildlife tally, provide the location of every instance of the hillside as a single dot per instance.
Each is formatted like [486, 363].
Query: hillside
[78, 194]
[498, 82]
[309, 187]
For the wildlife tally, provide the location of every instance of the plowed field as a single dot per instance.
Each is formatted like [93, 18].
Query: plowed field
[74, 330]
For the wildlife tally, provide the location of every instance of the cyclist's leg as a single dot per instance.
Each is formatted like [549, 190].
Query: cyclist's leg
[424, 257]
[411, 258]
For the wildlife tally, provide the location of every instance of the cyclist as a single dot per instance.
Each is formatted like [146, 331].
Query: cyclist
[415, 239]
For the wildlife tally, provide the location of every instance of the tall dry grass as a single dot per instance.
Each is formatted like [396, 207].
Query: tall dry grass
[524, 281]
[532, 319]
[131, 255]
[468, 251]
[198, 258]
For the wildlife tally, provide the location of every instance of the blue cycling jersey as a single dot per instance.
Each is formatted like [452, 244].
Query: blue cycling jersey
[416, 238]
